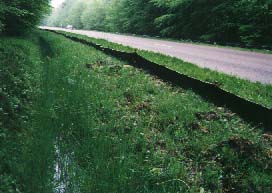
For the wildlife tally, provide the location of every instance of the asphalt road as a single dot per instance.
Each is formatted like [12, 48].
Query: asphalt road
[253, 66]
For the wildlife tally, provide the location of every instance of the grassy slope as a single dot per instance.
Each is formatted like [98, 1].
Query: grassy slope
[19, 77]
[255, 92]
[129, 132]
[112, 128]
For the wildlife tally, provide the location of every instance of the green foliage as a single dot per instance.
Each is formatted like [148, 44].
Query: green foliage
[8, 185]
[91, 123]
[129, 132]
[109, 15]
[1, 16]
[94, 16]
[19, 16]
[17, 59]
[243, 22]
[256, 92]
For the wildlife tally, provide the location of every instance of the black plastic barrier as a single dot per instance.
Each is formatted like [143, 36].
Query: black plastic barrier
[249, 111]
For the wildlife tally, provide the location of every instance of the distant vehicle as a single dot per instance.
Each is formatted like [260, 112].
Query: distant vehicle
[70, 27]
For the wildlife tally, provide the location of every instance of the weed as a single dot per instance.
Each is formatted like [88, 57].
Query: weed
[255, 92]
[109, 128]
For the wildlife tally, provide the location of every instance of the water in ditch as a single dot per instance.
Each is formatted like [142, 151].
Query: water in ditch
[65, 175]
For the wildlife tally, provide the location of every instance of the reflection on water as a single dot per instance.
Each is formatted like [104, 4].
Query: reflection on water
[65, 178]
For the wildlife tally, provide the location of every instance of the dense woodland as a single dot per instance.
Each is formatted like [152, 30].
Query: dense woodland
[241, 22]
[19, 16]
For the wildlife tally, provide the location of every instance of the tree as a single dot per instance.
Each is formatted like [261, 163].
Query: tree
[243, 22]
[94, 16]
[74, 18]
[19, 16]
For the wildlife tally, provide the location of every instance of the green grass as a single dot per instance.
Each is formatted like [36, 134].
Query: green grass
[112, 128]
[19, 66]
[255, 92]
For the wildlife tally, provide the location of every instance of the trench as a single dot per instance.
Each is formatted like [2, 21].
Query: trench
[64, 170]
[66, 166]
[251, 112]
[55, 119]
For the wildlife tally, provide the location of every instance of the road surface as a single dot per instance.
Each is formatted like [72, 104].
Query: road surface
[253, 66]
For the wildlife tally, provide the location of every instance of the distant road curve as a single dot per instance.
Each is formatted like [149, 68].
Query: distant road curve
[253, 66]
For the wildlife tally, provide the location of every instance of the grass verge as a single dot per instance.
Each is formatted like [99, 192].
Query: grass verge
[99, 125]
[127, 132]
[19, 77]
[255, 92]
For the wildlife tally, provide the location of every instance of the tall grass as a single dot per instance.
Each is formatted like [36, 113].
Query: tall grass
[99, 125]
[20, 63]
[254, 91]
[124, 131]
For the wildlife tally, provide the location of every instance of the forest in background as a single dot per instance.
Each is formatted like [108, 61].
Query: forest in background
[232, 22]
[19, 16]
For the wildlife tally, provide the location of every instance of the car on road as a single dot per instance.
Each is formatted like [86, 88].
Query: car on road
[70, 27]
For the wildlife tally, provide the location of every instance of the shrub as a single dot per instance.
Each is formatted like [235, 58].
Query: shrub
[18, 17]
